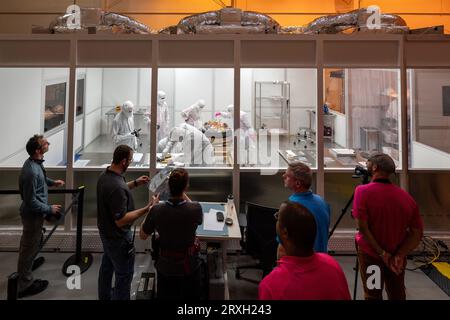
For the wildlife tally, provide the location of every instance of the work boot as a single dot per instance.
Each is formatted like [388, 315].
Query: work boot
[36, 287]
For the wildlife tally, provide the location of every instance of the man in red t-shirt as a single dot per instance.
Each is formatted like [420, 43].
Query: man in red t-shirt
[389, 228]
[301, 273]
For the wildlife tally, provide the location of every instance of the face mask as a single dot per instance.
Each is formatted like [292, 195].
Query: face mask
[128, 113]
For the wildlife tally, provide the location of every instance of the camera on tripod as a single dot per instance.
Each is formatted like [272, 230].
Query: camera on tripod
[363, 173]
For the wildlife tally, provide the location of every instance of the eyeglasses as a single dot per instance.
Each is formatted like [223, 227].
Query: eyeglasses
[276, 215]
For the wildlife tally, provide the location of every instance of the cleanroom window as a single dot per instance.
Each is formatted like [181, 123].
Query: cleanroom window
[55, 105]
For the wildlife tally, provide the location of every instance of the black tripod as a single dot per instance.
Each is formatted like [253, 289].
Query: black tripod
[362, 173]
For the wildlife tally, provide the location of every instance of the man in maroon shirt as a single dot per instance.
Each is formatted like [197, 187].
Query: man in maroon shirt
[301, 273]
[389, 228]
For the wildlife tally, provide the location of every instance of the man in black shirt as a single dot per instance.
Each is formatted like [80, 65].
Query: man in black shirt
[115, 214]
[176, 222]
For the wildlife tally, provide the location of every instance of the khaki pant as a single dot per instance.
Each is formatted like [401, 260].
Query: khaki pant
[29, 246]
[395, 284]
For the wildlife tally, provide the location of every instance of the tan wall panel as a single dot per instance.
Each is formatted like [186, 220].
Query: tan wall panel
[90, 3]
[360, 53]
[437, 138]
[427, 53]
[13, 23]
[114, 52]
[34, 6]
[278, 53]
[196, 53]
[45, 53]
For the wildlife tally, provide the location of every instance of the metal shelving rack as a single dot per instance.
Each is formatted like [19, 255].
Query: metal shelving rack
[271, 106]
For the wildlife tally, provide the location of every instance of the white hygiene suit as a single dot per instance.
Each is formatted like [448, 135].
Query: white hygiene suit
[123, 126]
[191, 115]
[192, 142]
[390, 122]
[249, 135]
[392, 109]
[162, 118]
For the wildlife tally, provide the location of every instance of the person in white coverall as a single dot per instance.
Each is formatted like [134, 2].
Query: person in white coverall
[389, 120]
[189, 140]
[123, 126]
[162, 118]
[191, 115]
[249, 135]
[391, 111]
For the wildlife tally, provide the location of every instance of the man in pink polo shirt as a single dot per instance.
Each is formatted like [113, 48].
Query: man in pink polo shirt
[301, 273]
[390, 227]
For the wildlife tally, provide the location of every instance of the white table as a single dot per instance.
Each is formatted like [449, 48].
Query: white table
[234, 233]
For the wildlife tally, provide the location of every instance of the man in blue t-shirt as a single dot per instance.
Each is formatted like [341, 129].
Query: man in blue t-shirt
[298, 178]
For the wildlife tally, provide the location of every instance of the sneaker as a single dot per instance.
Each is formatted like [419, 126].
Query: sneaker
[36, 287]
[37, 263]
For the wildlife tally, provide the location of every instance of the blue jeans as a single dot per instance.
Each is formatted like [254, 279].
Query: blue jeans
[118, 259]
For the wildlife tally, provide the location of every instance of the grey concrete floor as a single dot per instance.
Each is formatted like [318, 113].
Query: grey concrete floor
[419, 286]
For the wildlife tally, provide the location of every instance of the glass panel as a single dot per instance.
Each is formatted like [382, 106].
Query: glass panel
[339, 188]
[430, 190]
[210, 185]
[114, 112]
[34, 101]
[89, 180]
[429, 118]
[361, 115]
[10, 204]
[201, 188]
[280, 106]
[266, 190]
[193, 117]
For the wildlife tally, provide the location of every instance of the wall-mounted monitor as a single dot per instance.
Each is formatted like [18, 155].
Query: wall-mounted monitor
[55, 105]
[80, 97]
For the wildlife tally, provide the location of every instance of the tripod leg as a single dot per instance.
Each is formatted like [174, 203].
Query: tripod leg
[342, 215]
[355, 287]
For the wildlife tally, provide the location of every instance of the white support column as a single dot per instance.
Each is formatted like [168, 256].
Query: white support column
[70, 130]
[320, 175]
[153, 108]
[404, 177]
[236, 122]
